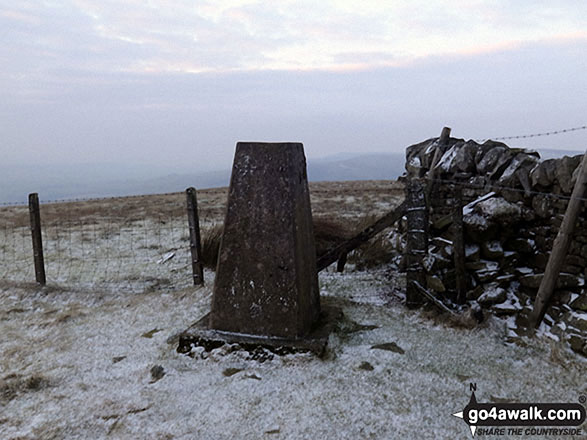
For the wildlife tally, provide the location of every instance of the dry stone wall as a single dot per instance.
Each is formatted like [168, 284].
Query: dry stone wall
[515, 203]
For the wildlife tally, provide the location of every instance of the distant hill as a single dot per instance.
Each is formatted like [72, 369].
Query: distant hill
[546, 153]
[374, 166]
[104, 180]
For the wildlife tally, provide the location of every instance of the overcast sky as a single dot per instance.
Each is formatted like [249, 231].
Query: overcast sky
[178, 83]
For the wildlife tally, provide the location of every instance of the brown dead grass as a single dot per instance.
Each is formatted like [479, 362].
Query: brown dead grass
[335, 206]
[329, 233]
[211, 238]
[346, 200]
[15, 384]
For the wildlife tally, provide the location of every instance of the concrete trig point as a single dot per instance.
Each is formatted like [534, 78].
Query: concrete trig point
[266, 289]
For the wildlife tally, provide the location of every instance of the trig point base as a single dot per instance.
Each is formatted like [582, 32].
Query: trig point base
[266, 287]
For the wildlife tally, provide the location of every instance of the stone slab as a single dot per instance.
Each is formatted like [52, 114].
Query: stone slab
[266, 280]
[201, 335]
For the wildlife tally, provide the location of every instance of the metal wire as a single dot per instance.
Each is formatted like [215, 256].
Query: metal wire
[115, 244]
[527, 136]
[491, 186]
[119, 244]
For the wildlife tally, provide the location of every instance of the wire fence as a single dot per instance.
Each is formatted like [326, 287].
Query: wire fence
[501, 188]
[533, 135]
[138, 243]
[131, 243]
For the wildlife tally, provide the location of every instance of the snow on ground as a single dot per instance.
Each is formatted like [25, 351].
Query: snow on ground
[77, 365]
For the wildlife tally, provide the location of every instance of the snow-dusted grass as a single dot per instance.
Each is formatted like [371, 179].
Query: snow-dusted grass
[91, 353]
[76, 356]
[117, 254]
[116, 243]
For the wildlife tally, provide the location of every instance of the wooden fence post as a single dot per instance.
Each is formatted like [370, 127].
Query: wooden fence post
[341, 262]
[417, 240]
[444, 135]
[560, 247]
[35, 219]
[195, 241]
[442, 140]
[458, 243]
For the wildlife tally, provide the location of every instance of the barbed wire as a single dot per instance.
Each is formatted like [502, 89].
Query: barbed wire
[129, 247]
[491, 186]
[126, 248]
[108, 198]
[123, 245]
[15, 204]
[92, 199]
[533, 135]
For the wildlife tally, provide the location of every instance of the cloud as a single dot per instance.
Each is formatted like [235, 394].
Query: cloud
[181, 118]
[56, 44]
[47, 39]
[82, 78]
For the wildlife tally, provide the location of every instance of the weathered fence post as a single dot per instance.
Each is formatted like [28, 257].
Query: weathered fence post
[560, 247]
[444, 135]
[442, 140]
[458, 243]
[341, 262]
[35, 219]
[417, 240]
[195, 241]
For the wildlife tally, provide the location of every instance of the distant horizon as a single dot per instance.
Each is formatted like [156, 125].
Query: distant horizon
[320, 156]
[98, 180]
[167, 83]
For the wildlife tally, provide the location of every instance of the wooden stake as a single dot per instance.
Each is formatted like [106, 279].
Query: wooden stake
[417, 240]
[442, 140]
[560, 247]
[341, 263]
[35, 218]
[195, 241]
[458, 242]
[416, 285]
[444, 136]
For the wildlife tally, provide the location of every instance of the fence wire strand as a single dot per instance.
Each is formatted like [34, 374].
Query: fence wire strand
[533, 135]
[119, 243]
[491, 186]
[128, 241]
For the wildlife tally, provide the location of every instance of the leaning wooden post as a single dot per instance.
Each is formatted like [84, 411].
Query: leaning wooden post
[458, 243]
[35, 216]
[417, 240]
[341, 262]
[444, 135]
[442, 140]
[560, 247]
[195, 241]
